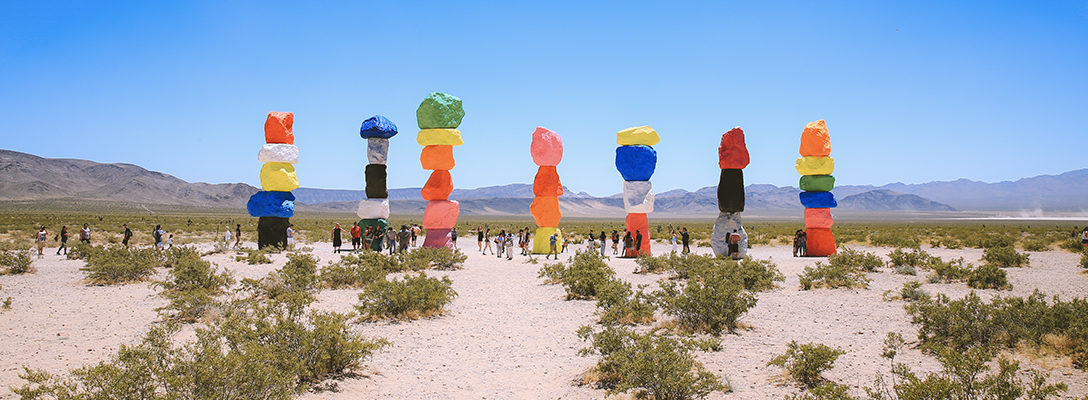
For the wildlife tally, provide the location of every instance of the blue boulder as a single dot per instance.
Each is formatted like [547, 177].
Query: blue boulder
[818, 200]
[636, 163]
[378, 127]
[271, 204]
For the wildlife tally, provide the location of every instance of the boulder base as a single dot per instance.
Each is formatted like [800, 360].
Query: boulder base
[815, 140]
[542, 241]
[438, 186]
[272, 232]
[441, 214]
[639, 223]
[638, 197]
[375, 182]
[278, 128]
[818, 200]
[377, 150]
[439, 137]
[817, 183]
[438, 238]
[547, 183]
[437, 158]
[731, 191]
[723, 228]
[546, 148]
[373, 209]
[278, 177]
[271, 204]
[439, 110]
[278, 152]
[377, 127]
[643, 135]
[545, 210]
[636, 163]
[381, 224]
[818, 218]
[815, 165]
[732, 152]
[820, 242]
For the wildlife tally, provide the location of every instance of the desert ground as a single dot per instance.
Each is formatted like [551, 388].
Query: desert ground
[508, 335]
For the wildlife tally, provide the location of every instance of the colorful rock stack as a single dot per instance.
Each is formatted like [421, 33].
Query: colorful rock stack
[275, 205]
[374, 210]
[636, 161]
[547, 152]
[815, 167]
[439, 116]
[732, 158]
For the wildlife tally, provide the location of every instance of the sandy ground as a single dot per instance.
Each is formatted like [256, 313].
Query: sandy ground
[507, 335]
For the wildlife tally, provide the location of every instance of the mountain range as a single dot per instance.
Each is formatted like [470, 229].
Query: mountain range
[26, 177]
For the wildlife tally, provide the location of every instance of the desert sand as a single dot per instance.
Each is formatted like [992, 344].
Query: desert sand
[508, 335]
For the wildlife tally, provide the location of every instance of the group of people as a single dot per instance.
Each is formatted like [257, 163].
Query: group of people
[375, 238]
[800, 243]
[1083, 236]
[504, 242]
[163, 240]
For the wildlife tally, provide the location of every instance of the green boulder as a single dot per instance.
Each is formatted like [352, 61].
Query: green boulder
[440, 111]
[817, 183]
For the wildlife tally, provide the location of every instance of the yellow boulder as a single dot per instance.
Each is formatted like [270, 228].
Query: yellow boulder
[439, 137]
[542, 241]
[815, 165]
[278, 177]
[643, 135]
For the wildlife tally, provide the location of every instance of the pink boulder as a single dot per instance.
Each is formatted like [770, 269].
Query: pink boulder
[547, 147]
[441, 214]
[818, 218]
[438, 238]
[732, 153]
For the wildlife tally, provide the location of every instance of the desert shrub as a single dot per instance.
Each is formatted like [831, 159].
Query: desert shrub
[413, 297]
[650, 365]
[80, 251]
[192, 288]
[587, 271]
[988, 240]
[832, 276]
[911, 291]
[688, 265]
[709, 303]
[1084, 259]
[118, 265]
[951, 271]
[552, 273]
[254, 257]
[1071, 245]
[894, 239]
[655, 265]
[356, 272]
[988, 277]
[1036, 244]
[754, 275]
[293, 285]
[963, 375]
[173, 256]
[618, 304]
[917, 258]
[1005, 257]
[905, 270]
[805, 362]
[858, 260]
[1005, 321]
[441, 258]
[824, 391]
[15, 262]
[948, 243]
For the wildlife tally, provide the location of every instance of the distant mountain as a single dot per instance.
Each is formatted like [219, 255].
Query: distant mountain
[29, 177]
[511, 191]
[883, 199]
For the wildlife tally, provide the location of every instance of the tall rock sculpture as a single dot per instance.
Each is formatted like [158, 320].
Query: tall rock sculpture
[732, 158]
[547, 151]
[815, 166]
[274, 205]
[636, 160]
[438, 117]
[374, 210]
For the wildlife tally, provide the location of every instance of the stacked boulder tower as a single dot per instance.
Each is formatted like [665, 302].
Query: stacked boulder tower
[636, 160]
[815, 166]
[438, 117]
[374, 210]
[274, 205]
[547, 152]
[732, 158]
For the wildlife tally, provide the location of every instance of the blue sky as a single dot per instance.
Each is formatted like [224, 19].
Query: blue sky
[911, 91]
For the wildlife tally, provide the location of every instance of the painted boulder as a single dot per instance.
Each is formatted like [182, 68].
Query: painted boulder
[818, 218]
[546, 148]
[373, 209]
[724, 226]
[820, 242]
[278, 152]
[439, 137]
[640, 135]
[731, 191]
[547, 183]
[271, 204]
[732, 152]
[438, 238]
[636, 163]
[377, 127]
[437, 158]
[438, 186]
[638, 197]
[545, 211]
[278, 177]
[638, 223]
[815, 165]
[272, 232]
[817, 183]
[439, 110]
[815, 140]
[377, 150]
[818, 200]
[279, 128]
[441, 214]
[542, 239]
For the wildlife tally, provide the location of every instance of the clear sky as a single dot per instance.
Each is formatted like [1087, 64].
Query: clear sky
[912, 91]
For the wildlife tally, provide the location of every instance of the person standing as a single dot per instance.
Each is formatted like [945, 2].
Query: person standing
[802, 246]
[453, 236]
[356, 234]
[673, 242]
[627, 242]
[604, 241]
[1084, 238]
[391, 240]
[510, 246]
[552, 243]
[126, 235]
[170, 242]
[734, 245]
[157, 234]
[487, 241]
[638, 243]
[615, 242]
[796, 242]
[337, 241]
[226, 236]
[480, 239]
[402, 238]
[238, 235]
[500, 243]
[63, 240]
[290, 235]
[85, 234]
[415, 233]
[40, 239]
[685, 240]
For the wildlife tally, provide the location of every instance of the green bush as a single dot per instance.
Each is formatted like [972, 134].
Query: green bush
[356, 272]
[15, 262]
[656, 265]
[1005, 257]
[832, 276]
[192, 288]
[650, 365]
[118, 265]
[988, 277]
[1036, 244]
[1072, 245]
[618, 304]
[581, 279]
[894, 239]
[709, 303]
[825, 391]
[756, 275]
[857, 260]
[911, 291]
[916, 258]
[988, 240]
[951, 271]
[255, 257]
[440, 258]
[173, 256]
[294, 285]
[805, 362]
[905, 270]
[410, 298]
[1084, 259]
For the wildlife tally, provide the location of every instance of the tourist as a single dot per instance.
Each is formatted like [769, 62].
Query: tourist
[85, 235]
[170, 242]
[158, 235]
[487, 241]
[1084, 238]
[615, 242]
[734, 245]
[673, 242]
[802, 244]
[638, 242]
[238, 235]
[391, 240]
[403, 237]
[480, 239]
[453, 237]
[226, 235]
[627, 242]
[552, 243]
[685, 240]
[604, 241]
[63, 240]
[796, 242]
[356, 237]
[290, 235]
[40, 239]
[415, 233]
[510, 246]
[336, 240]
[500, 243]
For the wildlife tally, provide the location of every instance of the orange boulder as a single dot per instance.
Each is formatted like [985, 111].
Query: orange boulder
[545, 210]
[437, 157]
[820, 242]
[815, 140]
[818, 218]
[438, 187]
[639, 223]
[278, 128]
[547, 183]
